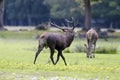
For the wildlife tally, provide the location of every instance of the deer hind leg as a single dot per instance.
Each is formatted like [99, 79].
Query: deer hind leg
[58, 56]
[40, 48]
[89, 55]
[51, 55]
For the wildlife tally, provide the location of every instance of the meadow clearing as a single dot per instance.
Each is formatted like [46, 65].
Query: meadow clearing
[17, 52]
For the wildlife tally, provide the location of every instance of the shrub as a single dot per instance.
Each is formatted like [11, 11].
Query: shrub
[67, 50]
[79, 48]
[106, 50]
[43, 26]
[101, 50]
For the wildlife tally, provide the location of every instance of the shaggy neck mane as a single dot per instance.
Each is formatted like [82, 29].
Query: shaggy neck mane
[69, 38]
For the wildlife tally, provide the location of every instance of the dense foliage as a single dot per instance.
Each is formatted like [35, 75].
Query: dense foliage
[34, 12]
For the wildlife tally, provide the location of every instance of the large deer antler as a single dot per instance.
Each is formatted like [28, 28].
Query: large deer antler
[68, 21]
[55, 25]
[72, 21]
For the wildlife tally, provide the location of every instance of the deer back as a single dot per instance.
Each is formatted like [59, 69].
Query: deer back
[61, 40]
[92, 36]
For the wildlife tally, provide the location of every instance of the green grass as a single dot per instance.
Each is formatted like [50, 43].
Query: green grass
[19, 34]
[17, 55]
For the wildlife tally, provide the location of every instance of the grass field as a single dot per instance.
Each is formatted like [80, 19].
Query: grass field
[17, 51]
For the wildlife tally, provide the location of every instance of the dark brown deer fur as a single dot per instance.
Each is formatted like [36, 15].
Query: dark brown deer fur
[92, 37]
[58, 41]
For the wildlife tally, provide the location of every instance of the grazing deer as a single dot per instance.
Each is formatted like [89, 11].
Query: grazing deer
[58, 41]
[92, 37]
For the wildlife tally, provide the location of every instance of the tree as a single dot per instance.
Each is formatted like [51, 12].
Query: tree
[61, 9]
[25, 12]
[87, 14]
[1, 14]
[87, 4]
[108, 13]
[91, 13]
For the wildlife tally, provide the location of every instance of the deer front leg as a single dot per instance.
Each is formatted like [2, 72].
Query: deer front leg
[51, 56]
[63, 59]
[89, 56]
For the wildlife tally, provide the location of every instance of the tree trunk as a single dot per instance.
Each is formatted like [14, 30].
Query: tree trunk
[87, 14]
[1, 14]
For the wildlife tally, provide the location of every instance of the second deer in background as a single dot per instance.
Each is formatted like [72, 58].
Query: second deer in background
[92, 37]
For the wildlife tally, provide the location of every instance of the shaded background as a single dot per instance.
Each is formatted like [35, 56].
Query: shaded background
[33, 12]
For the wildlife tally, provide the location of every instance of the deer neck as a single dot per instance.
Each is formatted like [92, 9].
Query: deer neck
[69, 39]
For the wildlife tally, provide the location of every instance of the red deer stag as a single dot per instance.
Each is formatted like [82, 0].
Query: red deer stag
[58, 41]
[92, 37]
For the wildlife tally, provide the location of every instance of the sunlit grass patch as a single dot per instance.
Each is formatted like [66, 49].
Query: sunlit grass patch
[13, 65]
[24, 70]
